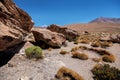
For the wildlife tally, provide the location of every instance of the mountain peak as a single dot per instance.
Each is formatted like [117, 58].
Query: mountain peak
[106, 20]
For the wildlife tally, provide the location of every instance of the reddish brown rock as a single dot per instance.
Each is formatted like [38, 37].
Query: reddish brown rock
[51, 38]
[69, 34]
[15, 24]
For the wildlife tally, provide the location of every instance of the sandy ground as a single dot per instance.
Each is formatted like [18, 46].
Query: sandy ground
[45, 69]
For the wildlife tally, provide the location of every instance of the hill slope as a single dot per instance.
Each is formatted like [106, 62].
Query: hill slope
[106, 20]
[98, 25]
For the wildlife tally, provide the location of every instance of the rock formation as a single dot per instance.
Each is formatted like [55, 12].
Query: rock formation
[15, 24]
[68, 33]
[113, 38]
[51, 38]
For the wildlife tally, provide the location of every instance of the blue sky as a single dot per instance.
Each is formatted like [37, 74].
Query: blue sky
[62, 12]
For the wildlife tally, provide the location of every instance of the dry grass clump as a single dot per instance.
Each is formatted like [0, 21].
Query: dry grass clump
[67, 74]
[83, 47]
[99, 51]
[78, 55]
[84, 41]
[95, 44]
[105, 72]
[75, 48]
[108, 58]
[102, 44]
[63, 52]
[106, 44]
[96, 59]
[49, 49]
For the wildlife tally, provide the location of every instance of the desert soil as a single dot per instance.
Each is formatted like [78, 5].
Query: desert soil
[21, 68]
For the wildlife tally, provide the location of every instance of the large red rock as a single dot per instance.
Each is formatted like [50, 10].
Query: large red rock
[51, 38]
[15, 24]
[69, 33]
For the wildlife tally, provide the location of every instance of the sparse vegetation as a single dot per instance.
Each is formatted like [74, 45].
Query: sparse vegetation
[106, 44]
[49, 49]
[63, 52]
[105, 72]
[95, 44]
[84, 41]
[75, 48]
[78, 55]
[96, 59]
[67, 74]
[99, 51]
[34, 52]
[108, 58]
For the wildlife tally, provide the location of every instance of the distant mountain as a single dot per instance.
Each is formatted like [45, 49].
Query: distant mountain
[98, 25]
[106, 20]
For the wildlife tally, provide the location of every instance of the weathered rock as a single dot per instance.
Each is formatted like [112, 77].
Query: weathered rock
[51, 38]
[69, 34]
[113, 37]
[15, 24]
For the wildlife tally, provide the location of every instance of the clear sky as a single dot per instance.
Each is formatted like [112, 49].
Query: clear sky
[62, 12]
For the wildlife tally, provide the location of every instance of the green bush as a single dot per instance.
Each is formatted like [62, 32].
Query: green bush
[105, 72]
[34, 52]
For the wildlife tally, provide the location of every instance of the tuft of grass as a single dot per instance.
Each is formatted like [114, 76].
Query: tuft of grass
[96, 59]
[34, 52]
[78, 55]
[108, 58]
[106, 44]
[84, 41]
[75, 48]
[67, 74]
[49, 49]
[63, 52]
[105, 72]
[95, 44]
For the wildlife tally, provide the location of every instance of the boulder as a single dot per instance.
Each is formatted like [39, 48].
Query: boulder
[15, 24]
[115, 38]
[51, 38]
[68, 33]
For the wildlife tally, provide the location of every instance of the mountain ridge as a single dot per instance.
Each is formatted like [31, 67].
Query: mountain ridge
[106, 20]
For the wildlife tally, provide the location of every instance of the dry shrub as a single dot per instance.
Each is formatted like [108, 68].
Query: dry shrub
[106, 44]
[102, 52]
[63, 52]
[49, 49]
[95, 44]
[105, 72]
[83, 47]
[84, 41]
[75, 48]
[78, 55]
[108, 58]
[96, 59]
[67, 74]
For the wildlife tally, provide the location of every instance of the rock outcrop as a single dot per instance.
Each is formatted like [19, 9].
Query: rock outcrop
[68, 33]
[15, 24]
[113, 38]
[51, 38]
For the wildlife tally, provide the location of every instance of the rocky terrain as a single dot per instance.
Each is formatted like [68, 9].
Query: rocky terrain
[69, 53]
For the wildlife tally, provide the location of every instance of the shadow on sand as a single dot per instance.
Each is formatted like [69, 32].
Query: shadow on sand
[6, 56]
